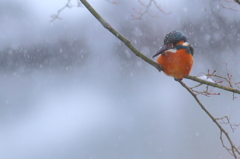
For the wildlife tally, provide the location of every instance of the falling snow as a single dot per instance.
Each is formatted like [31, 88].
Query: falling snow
[70, 89]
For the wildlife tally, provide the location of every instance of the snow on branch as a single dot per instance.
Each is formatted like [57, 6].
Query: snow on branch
[233, 150]
[232, 6]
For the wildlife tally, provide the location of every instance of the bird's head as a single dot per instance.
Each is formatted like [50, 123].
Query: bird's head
[171, 40]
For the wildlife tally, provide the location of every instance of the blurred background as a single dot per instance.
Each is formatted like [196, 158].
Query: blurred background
[70, 89]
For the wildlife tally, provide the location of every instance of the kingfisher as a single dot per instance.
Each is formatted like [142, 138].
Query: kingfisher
[176, 55]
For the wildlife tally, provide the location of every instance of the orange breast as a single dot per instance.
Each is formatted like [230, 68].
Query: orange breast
[177, 64]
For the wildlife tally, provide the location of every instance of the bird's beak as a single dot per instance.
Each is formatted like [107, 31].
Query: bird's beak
[162, 50]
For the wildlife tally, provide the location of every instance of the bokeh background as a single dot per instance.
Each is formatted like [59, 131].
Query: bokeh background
[70, 89]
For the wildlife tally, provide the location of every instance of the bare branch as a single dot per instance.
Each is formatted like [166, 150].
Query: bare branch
[231, 2]
[233, 150]
[67, 5]
[226, 120]
[119, 36]
[159, 8]
[146, 9]
[196, 79]
[146, 59]
[208, 76]
[205, 92]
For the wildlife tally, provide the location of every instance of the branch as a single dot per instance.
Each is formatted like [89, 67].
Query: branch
[146, 9]
[119, 36]
[230, 1]
[194, 78]
[146, 59]
[233, 150]
[226, 120]
[67, 5]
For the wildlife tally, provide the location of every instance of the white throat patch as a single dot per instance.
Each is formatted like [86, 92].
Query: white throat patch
[175, 50]
[171, 50]
[185, 44]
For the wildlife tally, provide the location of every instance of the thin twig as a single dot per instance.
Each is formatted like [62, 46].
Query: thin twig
[231, 8]
[67, 5]
[233, 148]
[196, 79]
[145, 58]
[227, 121]
[146, 9]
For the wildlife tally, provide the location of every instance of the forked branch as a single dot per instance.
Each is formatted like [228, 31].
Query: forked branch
[233, 149]
[146, 59]
[67, 5]
[146, 9]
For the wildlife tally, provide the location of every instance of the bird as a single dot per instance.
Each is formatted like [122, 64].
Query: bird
[176, 55]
